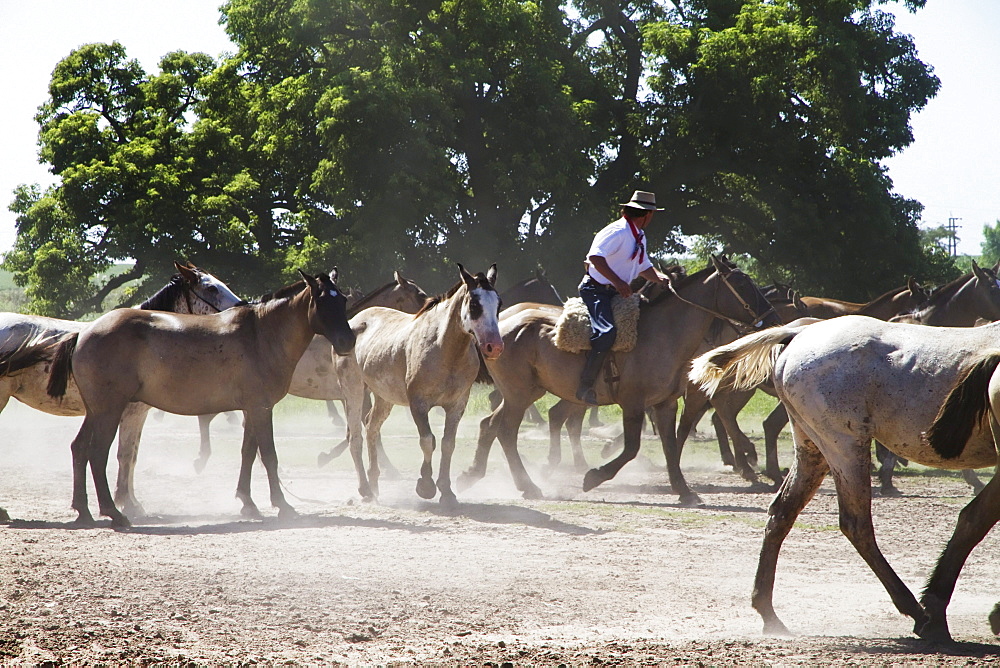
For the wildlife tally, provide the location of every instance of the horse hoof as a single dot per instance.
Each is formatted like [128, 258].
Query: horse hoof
[199, 465]
[890, 491]
[426, 488]
[592, 479]
[532, 494]
[119, 521]
[691, 500]
[449, 500]
[84, 519]
[4, 517]
[287, 513]
[323, 459]
[995, 620]
[465, 481]
[251, 513]
[774, 627]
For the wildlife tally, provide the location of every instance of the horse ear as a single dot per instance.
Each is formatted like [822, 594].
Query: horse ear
[491, 275]
[334, 273]
[310, 280]
[799, 305]
[399, 278]
[187, 271]
[467, 278]
[979, 273]
[720, 265]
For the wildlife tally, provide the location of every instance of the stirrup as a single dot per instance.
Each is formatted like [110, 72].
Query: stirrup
[587, 396]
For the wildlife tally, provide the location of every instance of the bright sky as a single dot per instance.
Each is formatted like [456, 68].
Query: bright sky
[953, 167]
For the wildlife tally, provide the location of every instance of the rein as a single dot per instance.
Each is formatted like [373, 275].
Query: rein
[756, 320]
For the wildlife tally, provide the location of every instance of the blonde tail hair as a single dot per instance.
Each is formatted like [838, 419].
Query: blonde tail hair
[742, 364]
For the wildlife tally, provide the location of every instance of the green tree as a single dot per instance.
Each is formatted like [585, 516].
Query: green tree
[378, 134]
[990, 246]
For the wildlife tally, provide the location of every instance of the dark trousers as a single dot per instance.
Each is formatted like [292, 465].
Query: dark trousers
[598, 297]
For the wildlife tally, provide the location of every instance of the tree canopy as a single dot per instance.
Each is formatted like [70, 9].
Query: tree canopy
[379, 135]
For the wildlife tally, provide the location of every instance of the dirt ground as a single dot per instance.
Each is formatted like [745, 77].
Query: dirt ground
[621, 575]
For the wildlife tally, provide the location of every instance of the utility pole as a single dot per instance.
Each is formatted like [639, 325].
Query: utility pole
[952, 228]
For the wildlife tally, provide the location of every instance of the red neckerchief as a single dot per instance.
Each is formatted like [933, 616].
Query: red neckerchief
[637, 233]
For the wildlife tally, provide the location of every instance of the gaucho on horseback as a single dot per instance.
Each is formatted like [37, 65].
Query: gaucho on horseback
[616, 257]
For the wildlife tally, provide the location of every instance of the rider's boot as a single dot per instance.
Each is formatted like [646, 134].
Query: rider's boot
[591, 369]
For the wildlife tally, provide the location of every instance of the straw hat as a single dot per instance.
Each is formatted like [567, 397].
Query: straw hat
[642, 199]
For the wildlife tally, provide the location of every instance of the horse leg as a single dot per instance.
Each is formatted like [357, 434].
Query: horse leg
[665, 414]
[974, 522]
[726, 410]
[331, 412]
[887, 464]
[507, 421]
[632, 418]
[377, 413]
[695, 406]
[850, 464]
[969, 476]
[595, 418]
[426, 488]
[488, 428]
[574, 429]
[533, 416]
[725, 453]
[773, 424]
[452, 416]
[129, 432]
[807, 472]
[248, 453]
[264, 435]
[205, 444]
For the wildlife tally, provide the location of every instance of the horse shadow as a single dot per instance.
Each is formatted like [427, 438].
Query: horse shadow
[507, 514]
[197, 525]
[880, 647]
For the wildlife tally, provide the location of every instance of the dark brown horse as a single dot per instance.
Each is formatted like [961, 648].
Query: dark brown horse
[670, 330]
[240, 359]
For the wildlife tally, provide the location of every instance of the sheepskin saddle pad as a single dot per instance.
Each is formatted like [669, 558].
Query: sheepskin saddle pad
[573, 326]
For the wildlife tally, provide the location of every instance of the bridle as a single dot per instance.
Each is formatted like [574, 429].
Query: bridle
[756, 320]
[190, 292]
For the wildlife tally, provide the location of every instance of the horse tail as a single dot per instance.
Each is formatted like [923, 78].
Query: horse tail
[742, 364]
[62, 365]
[964, 408]
[32, 351]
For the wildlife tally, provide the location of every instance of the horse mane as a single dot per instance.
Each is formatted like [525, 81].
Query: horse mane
[360, 304]
[481, 282]
[281, 293]
[163, 300]
[678, 284]
[886, 296]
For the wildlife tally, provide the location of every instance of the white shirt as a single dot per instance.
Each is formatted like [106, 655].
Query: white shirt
[616, 244]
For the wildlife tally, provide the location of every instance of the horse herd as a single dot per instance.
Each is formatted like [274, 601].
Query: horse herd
[910, 370]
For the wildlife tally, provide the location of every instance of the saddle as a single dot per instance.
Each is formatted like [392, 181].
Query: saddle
[572, 331]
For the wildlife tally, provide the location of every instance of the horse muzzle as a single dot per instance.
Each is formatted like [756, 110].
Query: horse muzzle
[491, 349]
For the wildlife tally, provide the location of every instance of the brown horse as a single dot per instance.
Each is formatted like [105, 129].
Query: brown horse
[423, 360]
[240, 359]
[535, 289]
[315, 376]
[964, 302]
[670, 330]
[29, 341]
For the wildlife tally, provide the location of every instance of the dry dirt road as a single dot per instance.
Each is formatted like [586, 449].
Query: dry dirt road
[621, 575]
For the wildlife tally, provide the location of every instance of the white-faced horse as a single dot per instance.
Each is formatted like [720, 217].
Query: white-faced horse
[26, 344]
[239, 359]
[845, 382]
[423, 360]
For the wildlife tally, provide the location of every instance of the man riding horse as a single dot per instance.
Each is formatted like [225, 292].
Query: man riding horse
[617, 255]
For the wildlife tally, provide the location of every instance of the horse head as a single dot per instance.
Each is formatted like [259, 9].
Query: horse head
[481, 310]
[988, 290]
[743, 301]
[192, 290]
[328, 311]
